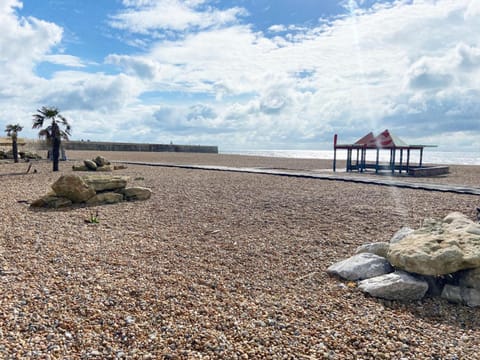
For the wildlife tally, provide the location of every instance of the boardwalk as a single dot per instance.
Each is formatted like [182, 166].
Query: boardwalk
[333, 177]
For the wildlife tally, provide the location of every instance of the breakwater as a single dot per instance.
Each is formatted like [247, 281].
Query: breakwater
[118, 146]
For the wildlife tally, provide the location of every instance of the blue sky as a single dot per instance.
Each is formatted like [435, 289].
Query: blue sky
[245, 74]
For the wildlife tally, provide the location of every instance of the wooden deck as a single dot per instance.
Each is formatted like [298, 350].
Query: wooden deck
[334, 177]
[428, 171]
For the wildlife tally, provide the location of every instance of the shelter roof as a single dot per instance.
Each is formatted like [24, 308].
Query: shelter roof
[384, 140]
[387, 140]
[365, 139]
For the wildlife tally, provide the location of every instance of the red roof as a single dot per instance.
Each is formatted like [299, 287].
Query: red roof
[384, 140]
[366, 139]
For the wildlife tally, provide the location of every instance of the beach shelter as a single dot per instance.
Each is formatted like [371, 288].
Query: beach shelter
[386, 140]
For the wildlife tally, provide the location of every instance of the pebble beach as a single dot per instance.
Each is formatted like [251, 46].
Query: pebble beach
[217, 265]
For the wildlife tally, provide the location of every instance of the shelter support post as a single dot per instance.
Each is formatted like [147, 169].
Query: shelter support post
[364, 158]
[408, 160]
[358, 160]
[349, 160]
[401, 161]
[334, 159]
[392, 160]
[335, 152]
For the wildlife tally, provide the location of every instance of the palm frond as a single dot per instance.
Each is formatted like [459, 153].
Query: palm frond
[45, 133]
[13, 129]
[53, 130]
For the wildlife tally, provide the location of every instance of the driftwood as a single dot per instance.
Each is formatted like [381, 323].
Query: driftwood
[21, 173]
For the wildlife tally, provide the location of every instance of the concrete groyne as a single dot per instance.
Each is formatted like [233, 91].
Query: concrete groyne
[118, 146]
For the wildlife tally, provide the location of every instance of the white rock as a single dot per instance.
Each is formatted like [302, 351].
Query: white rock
[395, 286]
[361, 266]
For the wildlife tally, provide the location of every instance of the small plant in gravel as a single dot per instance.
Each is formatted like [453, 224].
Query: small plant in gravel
[93, 218]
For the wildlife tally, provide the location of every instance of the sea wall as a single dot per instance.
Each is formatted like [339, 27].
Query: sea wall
[116, 146]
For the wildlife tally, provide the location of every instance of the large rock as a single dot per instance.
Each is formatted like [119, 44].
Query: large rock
[105, 168]
[137, 193]
[361, 266]
[91, 189]
[80, 168]
[470, 278]
[90, 164]
[73, 188]
[51, 201]
[461, 295]
[395, 286]
[439, 247]
[101, 161]
[435, 283]
[105, 182]
[401, 234]
[378, 248]
[28, 155]
[105, 198]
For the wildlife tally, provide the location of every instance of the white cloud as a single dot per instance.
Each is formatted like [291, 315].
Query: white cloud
[412, 66]
[65, 60]
[94, 92]
[277, 28]
[24, 41]
[143, 16]
[473, 10]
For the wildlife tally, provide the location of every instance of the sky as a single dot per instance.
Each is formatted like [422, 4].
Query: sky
[245, 74]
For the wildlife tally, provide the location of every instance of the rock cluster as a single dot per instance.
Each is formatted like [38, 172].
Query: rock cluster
[442, 258]
[99, 163]
[90, 190]
[25, 155]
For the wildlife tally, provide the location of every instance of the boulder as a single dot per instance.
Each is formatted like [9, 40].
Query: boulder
[378, 248]
[105, 182]
[28, 155]
[105, 198]
[470, 278]
[80, 168]
[74, 188]
[90, 164]
[136, 193]
[398, 285]
[101, 161]
[361, 266]
[401, 234]
[435, 283]
[51, 201]
[91, 189]
[105, 168]
[461, 295]
[439, 247]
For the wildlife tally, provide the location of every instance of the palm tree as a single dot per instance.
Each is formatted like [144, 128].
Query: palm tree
[12, 131]
[52, 133]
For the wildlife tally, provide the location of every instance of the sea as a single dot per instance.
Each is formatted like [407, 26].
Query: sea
[429, 157]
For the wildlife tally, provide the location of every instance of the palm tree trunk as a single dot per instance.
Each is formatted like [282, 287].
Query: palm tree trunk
[55, 153]
[15, 150]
